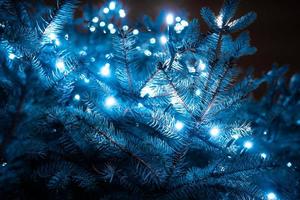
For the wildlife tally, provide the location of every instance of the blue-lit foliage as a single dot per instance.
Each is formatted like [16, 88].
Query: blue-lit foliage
[93, 108]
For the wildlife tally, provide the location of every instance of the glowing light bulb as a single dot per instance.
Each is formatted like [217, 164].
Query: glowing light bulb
[248, 145]
[198, 92]
[95, 19]
[271, 196]
[170, 19]
[125, 28]
[184, 23]
[113, 31]
[201, 65]
[110, 101]
[86, 80]
[57, 42]
[92, 28]
[102, 24]
[11, 56]
[105, 70]
[52, 36]
[135, 32]
[60, 65]
[112, 5]
[147, 52]
[219, 20]
[178, 19]
[214, 131]
[179, 125]
[140, 105]
[122, 13]
[152, 40]
[289, 164]
[106, 10]
[110, 26]
[77, 97]
[163, 39]
[263, 155]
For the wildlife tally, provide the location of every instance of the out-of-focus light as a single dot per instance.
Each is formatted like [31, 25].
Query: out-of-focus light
[110, 101]
[102, 24]
[67, 37]
[263, 155]
[179, 125]
[86, 80]
[184, 23]
[178, 19]
[289, 164]
[113, 31]
[122, 13]
[57, 42]
[147, 52]
[198, 92]
[201, 65]
[178, 27]
[265, 132]
[152, 40]
[125, 28]
[52, 36]
[271, 196]
[106, 10]
[170, 19]
[163, 39]
[11, 56]
[214, 131]
[135, 32]
[77, 97]
[219, 21]
[92, 28]
[248, 145]
[105, 70]
[95, 19]
[112, 5]
[110, 26]
[140, 105]
[60, 65]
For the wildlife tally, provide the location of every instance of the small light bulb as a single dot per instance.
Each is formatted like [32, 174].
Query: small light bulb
[86, 80]
[271, 196]
[289, 164]
[198, 92]
[140, 105]
[248, 145]
[201, 65]
[125, 28]
[112, 5]
[77, 97]
[147, 52]
[11, 56]
[163, 39]
[170, 19]
[60, 65]
[152, 40]
[102, 24]
[135, 32]
[105, 70]
[110, 101]
[95, 19]
[122, 13]
[179, 125]
[113, 31]
[178, 19]
[110, 26]
[184, 23]
[263, 155]
[214, 131]
[92, 28]
[52, 36]
[57, 42]
[106, 10]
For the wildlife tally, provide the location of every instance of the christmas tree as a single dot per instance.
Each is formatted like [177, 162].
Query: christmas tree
[94, 108]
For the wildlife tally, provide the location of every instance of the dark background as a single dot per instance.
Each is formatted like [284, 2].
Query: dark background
[275, 33]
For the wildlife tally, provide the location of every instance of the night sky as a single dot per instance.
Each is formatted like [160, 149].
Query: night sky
[275, 33]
